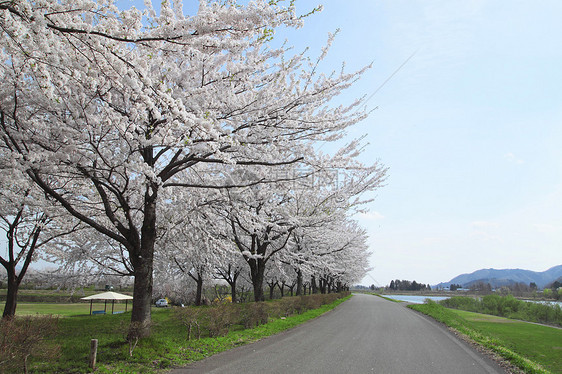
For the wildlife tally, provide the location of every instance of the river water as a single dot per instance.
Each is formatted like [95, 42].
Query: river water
[419, 299]
[416, 299]
[559, 303]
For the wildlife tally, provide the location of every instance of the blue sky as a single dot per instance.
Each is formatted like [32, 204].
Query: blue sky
[470, 127]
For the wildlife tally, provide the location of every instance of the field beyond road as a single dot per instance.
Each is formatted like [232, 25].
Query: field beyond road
[64, 309]
[541, 344]
[532, 347]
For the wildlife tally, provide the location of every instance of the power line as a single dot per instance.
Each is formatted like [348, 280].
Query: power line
[376, 282]
[391, 75]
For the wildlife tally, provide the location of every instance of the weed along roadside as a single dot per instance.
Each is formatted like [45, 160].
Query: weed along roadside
[530, 347]
[180, 335]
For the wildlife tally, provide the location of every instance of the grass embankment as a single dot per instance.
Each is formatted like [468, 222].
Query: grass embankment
[533, 348]
[168, 345]
[508, 306]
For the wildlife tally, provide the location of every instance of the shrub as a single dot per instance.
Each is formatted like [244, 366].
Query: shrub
[275, 309]
[189, 317]
[316, 301]
[219, 318]
[286, 306]
[490, 304]
[300, 304]
[331, 297]
[25, 337]
[253, 314]
[461, 302]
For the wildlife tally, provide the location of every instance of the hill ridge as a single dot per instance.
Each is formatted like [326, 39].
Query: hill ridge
[503, 277]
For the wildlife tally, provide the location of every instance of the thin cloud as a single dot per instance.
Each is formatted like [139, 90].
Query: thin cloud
[486, 230]
[547, 228]
[482, 225]
[512, 158]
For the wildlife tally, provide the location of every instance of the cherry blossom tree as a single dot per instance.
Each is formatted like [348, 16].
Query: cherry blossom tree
[334, 252]
[30, 224]
[106, 109]
[87, 258]
[23, 229]
[345, 260]
[229, 268]
[193, 256]
[262, 218]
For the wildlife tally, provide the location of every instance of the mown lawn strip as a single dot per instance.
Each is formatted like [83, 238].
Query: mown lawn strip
[504, 338]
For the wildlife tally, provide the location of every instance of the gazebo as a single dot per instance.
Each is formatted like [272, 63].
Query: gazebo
[105, 296]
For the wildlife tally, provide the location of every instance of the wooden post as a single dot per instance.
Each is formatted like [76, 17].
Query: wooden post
[93, 353]
[91, 306]
[112, 305]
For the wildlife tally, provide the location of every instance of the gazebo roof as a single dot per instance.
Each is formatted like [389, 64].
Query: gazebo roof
[108, 296]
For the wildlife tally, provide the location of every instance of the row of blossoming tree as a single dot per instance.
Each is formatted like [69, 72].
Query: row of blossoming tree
[145, 141]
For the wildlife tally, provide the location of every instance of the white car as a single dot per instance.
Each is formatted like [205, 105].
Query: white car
[162, 303]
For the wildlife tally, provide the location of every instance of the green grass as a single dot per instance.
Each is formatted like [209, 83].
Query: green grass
[166, 347]
[54, 296]
[508, 306]
[541, 344]
[63, 310]
[532, 348]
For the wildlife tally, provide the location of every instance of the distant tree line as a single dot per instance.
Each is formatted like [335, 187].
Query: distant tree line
[519, 289]
[406, 285]
[481, 287]
[454, 287]
[556, 285]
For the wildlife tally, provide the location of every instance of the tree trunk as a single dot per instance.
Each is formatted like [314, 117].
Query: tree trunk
[233, 290]
[257, 270]
[143, 264]
[12, 294]
[271, 289]
[313, 287]
[322, 286]
[299, 282]
[257, 284]
[142, 299]
[199, 292]
[14, 280]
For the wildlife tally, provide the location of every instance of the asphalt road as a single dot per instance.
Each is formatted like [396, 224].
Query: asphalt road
[366, 334]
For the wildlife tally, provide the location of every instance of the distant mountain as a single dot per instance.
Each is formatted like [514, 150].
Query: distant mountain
[505, 277]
